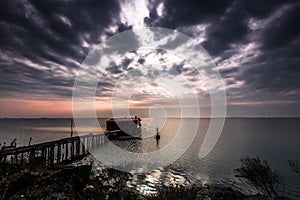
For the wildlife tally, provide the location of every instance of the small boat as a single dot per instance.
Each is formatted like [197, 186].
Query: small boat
[123, 128]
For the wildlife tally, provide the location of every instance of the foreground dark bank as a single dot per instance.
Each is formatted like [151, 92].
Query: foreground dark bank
[83, 179]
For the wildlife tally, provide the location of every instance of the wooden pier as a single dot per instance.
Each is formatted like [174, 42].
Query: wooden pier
[53, 152]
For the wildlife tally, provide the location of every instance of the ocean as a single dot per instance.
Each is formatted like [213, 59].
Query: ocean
[275, 140]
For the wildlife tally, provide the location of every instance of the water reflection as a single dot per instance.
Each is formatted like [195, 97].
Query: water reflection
[157, 143]
[275, 140]
[150, 183]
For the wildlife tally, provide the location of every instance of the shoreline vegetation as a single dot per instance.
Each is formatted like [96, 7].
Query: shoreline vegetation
[83, 179]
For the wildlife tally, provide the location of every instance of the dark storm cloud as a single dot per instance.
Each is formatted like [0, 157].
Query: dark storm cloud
[113, 68]
[178, 69]
[277, 76]
[231, 28]
[227, 19]
[42, 43]
[48, 34]
[263, 9]
[190, 12]
[284, 29]
[229, 24]
[228, 72]
[126, 62]
[141, 61]
[274, 71]
[22, 80]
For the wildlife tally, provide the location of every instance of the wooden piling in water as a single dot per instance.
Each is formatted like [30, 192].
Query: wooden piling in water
[58, 153]
[67, 151]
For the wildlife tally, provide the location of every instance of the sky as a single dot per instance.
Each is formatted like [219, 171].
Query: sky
[254, 44]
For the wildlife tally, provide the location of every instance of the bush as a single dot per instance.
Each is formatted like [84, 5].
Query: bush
[259, 175]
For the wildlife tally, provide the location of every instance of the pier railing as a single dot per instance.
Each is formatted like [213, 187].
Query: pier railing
[53, 152]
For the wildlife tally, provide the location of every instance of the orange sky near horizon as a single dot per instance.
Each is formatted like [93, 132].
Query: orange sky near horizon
[35, 108]
[63, 108]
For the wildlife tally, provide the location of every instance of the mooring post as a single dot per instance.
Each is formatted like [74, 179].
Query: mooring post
[83, 147]
[62, 151]
[43, 153]
[72, 149]
[87, 143]
[67, 151]
[52, 154]
[48, 156]
[93, 140]
[77, 147]
[58, 156]
[31, 156]
[98, 141]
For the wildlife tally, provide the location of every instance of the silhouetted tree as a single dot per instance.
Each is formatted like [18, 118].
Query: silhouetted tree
[259, 175]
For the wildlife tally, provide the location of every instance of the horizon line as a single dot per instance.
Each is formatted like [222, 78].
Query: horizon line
[173, 117]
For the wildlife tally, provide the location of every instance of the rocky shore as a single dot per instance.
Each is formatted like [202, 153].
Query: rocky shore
[80, 180]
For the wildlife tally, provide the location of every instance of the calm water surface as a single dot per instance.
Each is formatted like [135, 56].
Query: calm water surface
[275, 140]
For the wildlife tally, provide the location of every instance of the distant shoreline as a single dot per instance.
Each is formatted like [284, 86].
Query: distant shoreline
[50, 118]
